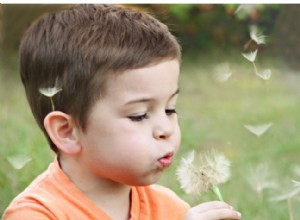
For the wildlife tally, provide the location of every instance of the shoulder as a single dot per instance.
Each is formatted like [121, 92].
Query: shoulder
[52, 195]
[34, 202]
[20, 209]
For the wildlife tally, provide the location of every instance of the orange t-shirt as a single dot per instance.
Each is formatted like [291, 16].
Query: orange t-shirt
[52, 195]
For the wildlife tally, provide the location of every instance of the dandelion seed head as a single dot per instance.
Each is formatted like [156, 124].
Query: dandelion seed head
[201, 172]
[251, 56]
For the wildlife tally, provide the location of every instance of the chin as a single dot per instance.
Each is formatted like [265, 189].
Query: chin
[149, 180]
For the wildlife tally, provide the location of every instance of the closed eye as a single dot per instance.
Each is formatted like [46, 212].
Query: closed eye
[137, 118]
[170, 111]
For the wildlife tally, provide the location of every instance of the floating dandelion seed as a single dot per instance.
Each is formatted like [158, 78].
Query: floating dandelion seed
[19, 161]
[288, 194]
[50, 92]
[266, 74]
[296, 184]
[296, 170]
[260, 129]
[203, 173]
[257, 36]
[261, 178]
[245, 10]
[222, 72]
[250, 56]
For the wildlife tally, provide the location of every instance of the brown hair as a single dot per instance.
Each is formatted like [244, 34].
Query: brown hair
[77, 49]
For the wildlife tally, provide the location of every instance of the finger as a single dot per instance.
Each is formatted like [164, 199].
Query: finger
[221, 213]
[203, 207]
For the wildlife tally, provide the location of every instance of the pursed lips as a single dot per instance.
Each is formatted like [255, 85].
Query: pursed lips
[166, 160]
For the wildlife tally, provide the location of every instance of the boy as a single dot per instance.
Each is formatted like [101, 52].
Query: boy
[112, 121]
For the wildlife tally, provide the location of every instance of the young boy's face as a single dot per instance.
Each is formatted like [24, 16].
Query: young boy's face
[132, 132]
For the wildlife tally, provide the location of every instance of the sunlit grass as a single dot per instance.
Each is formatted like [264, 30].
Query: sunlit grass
[212, 114]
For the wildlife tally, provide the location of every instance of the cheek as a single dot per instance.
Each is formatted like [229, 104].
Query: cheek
[135, 143]
[177, 137]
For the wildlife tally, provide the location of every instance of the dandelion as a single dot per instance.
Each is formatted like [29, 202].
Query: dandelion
[50, 92]
[250, 56]
[260, 178]
[265, 75]
[259, 129]
[222, 72]
[246, 10]
[203, 173]
[19, 161]
[296, 170]
[257, 36]
[288, 195]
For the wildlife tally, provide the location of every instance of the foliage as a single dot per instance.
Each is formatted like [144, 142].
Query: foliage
[198, 26]
[203, 27]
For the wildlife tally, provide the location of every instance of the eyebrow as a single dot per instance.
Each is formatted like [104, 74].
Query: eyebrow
[148, 99]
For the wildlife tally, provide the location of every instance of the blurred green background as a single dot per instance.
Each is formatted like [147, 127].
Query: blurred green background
[214, 107]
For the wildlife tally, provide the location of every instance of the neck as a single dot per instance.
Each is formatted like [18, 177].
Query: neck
[111, 197]
[113, 200]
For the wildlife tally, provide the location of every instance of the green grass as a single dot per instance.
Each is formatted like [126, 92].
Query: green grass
[19, 136]
[212, 114]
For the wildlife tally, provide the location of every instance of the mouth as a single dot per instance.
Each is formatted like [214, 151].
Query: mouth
[166, 160]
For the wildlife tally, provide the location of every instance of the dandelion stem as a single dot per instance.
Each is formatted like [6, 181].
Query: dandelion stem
[52, 104]
[247, 44]
[255, 69]
[290, 209]
[216, 190]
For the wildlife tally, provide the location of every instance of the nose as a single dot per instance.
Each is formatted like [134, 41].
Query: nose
[164, 127]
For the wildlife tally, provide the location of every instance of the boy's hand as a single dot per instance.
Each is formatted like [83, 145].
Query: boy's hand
[212, 211]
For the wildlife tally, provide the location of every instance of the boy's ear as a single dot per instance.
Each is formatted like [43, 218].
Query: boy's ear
[62, 130]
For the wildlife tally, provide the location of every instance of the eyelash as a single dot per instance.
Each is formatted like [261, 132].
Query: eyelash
[170, 111]
[137, 118]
